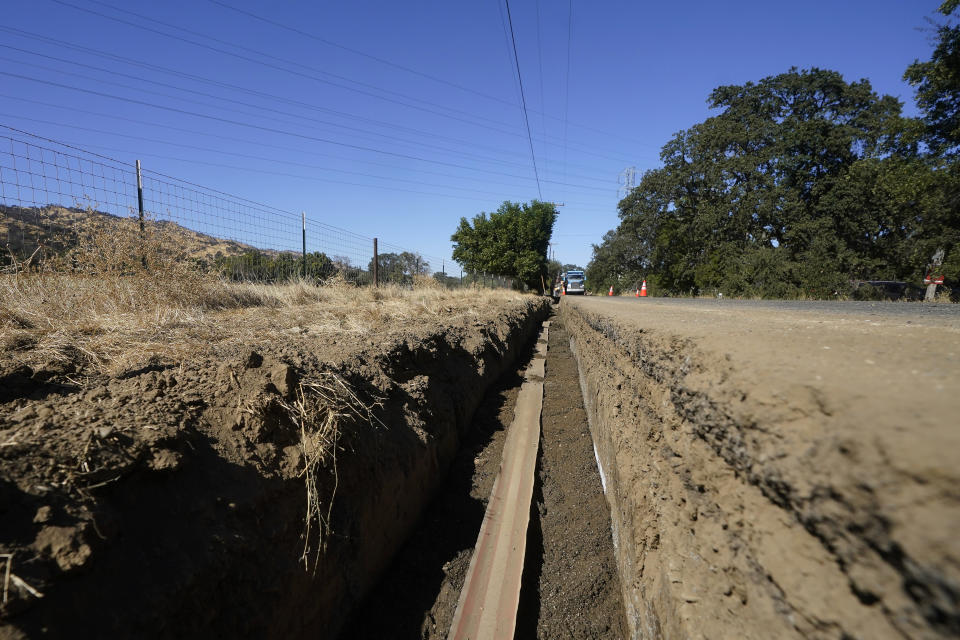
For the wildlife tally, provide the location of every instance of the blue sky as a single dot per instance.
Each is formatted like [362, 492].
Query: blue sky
[401, 117]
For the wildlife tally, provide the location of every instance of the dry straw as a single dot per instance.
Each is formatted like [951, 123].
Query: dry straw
[117, 295]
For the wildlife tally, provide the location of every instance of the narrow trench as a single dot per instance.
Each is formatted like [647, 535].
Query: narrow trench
[570, 587]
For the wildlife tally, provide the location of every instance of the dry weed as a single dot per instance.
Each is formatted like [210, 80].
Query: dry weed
[321, 404]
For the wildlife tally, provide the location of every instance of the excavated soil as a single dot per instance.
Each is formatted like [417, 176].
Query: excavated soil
[777, 474]
[172, 499]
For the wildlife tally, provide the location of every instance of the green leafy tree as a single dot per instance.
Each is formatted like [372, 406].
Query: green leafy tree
[554, 267]
[511, 242]
[273, 267]
[801, 182]
[446, 279]
[937, 83]
[400, 267]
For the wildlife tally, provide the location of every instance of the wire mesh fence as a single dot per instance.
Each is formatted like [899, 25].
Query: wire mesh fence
[55, 197]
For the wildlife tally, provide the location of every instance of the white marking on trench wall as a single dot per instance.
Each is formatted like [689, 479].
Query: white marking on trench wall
[603, 478]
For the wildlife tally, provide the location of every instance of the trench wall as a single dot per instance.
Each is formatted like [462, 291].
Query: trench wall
[712, 536]
[198, 527]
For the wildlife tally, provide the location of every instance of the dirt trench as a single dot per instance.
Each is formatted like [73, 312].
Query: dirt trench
[570, 587]
[766, 477]
[171, 500]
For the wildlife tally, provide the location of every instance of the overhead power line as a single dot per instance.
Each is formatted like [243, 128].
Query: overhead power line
[523, 100]
[269, 129]
[618, 135]
[566, 82]
[273, 98]
[253, 157]
[364, 54]
[372, 88]
[259, 144]
[370, 93]
[362, 131]
[543, 104]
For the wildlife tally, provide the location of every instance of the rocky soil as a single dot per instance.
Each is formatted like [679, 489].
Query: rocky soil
[773, 474]
[246, 491]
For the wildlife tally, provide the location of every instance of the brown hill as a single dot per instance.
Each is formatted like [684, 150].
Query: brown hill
[57, 229]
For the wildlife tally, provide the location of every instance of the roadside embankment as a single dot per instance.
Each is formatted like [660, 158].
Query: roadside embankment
[252, 484]
[775, 474]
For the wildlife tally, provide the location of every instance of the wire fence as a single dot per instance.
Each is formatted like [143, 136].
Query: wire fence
[52, 195]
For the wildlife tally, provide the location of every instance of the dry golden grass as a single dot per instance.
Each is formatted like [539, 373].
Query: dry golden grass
[107, 321]
[123, 295]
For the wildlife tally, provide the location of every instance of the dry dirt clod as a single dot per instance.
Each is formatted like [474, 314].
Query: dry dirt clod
[43, 514]
[64, 545]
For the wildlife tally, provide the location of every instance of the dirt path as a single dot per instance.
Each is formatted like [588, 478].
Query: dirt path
[571, 589]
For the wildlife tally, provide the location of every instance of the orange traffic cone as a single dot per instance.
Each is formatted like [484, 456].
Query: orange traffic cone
[638, 293]
[611, 291]
[643, 289]
[563, 291]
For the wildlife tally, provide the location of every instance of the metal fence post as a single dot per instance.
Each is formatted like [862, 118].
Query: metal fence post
[303, 221]
[143, 256]
[376, 264]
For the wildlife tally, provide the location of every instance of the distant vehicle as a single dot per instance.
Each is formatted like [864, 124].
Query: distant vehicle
[574, 281]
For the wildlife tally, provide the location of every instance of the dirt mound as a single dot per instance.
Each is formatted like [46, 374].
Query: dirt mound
[766, 474]
[250, 491]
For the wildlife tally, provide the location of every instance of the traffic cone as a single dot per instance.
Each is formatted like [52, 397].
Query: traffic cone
[610, 293]
[638, 293]
[563, 291]
[643, 289]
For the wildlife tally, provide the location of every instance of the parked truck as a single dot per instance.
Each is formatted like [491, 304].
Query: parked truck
[569, 283]
[575, 282]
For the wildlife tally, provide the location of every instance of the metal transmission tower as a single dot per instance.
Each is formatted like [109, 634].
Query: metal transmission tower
[627, 180]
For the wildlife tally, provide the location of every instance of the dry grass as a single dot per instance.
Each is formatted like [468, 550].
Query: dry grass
[105, 321]
[320, 405]
[124, 294]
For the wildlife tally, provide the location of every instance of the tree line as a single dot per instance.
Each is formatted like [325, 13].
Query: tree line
[396, 268]
[802, 183]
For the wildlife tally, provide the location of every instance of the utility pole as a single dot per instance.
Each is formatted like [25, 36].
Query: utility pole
[627, 178]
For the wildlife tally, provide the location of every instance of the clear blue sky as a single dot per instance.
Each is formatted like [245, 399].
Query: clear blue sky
[434, 81]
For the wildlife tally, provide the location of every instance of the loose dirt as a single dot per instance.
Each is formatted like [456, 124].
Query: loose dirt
[573, 568]
[250, 488]
[777, 474]
[571, 588]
